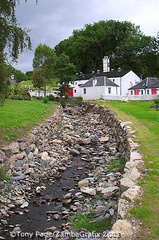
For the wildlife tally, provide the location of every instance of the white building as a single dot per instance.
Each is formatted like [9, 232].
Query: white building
[147, 89]
[125, 79]
[99, 87]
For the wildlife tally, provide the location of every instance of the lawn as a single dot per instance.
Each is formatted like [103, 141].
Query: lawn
[146, 123]
[17, 117]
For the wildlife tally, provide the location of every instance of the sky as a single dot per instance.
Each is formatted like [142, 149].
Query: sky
[51, 21]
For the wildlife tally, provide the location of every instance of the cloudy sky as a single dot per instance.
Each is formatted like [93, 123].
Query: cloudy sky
[51, 21]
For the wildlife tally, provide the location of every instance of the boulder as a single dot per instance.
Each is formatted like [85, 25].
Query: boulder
[88, 190]
[132, 193]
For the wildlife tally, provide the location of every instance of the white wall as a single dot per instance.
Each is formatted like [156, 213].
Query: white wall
[76, 87]
[97, 92]
[126, 82]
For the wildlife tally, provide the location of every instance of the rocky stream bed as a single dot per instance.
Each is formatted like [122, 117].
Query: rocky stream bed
[78, 169]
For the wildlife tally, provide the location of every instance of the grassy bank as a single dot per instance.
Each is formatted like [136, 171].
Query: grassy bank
[17, 117]
[146, 123]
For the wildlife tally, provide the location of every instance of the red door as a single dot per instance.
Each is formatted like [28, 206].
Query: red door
[70, 92]
[153, 91]
[136, 92]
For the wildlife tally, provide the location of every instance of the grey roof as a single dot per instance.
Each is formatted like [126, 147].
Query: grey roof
[149, 82]
[111, 74]
[100, 81]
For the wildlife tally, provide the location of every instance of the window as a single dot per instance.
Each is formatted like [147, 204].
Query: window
[142, 92]
[75, 91]
[131, 92]
[109, 90]
[148, 92]
[84, 90]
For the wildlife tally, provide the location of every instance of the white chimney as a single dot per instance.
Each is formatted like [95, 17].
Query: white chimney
[106, 64]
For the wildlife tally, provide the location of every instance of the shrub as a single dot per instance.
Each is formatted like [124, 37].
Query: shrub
[52, 98]
[78, 100]
[16, 92]
[45, 100]
[63, 103]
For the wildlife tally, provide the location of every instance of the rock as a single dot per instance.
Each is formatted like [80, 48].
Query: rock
[83, 183]
[108, 192]
[4, 212]
[48, 197]
[50, 229]
[101, 210]
[135, 156]
[132, 193]
[56, 216]
[57, 141]
[29, 171]
[88, 190]
[24, 205]
[45, 156]
[74, 152]
[19, 201]
[126, 183]
[134, 174]
[30, 156]
[104, 139]
[111, 211]
[67, 196]
[67, 201]
[123, 207]
[124, 228]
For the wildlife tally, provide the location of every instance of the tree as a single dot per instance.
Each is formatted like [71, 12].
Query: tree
[65, 71]
[38, 78]
[123, 42]
[12, 37]
[45, 58]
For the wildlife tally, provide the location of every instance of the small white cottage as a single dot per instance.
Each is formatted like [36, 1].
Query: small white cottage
[147, 89]
[99, 87]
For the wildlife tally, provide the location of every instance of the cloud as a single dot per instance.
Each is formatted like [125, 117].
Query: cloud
[52, 21]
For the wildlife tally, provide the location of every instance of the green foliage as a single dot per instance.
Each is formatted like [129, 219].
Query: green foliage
[38, 78]
[17, 92]
[117, 165]
[63, 103]
[45, 100]
[65, 71]
[51, 98]
[156, 101]
[78, 100]
[87, 221]
[3, 171]
[124, 42]
[12, 38]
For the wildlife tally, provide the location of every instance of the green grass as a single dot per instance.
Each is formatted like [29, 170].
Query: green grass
[53, 83]
[146, 123]
[26, 83]
[17, 117]
[81, 220]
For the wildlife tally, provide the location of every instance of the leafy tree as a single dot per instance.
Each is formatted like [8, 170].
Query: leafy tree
[19, 76]
[123, 42]
[12, 37]
[65, 71]
[45, 58]
[38, 79]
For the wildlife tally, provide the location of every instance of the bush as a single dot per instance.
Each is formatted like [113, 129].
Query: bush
[78, 100]
[156, 101]
[52, 98]
[63, 103]
[45, 100]
[16, 92]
